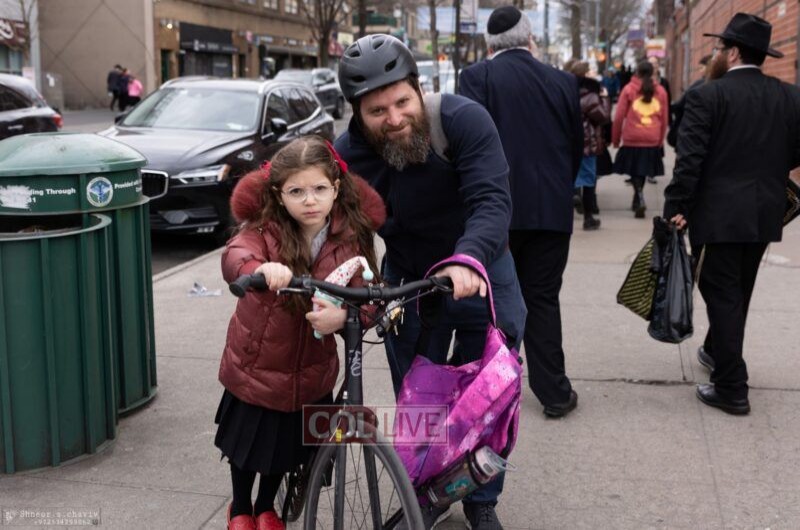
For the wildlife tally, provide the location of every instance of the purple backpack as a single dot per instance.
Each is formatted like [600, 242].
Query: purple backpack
[482, 400]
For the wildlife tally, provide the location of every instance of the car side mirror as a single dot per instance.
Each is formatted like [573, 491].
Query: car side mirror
[119, 117]
[279, 126]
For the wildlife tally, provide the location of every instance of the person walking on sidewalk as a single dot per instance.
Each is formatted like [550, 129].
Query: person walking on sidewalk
[134, 90]
[112, 82]
[304, 213]
[640, 124]
[538, 114]
[595, 112]
[739, 139]
[440, 202]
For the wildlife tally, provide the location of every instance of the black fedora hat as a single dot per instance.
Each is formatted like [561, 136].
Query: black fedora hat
[751, 31]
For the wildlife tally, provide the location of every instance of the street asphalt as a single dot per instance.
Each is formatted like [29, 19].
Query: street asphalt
[639, 452]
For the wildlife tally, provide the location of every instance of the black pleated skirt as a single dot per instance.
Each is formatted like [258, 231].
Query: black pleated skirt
[259, 439]
[639, 161]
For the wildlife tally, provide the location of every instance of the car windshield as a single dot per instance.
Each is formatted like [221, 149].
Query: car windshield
[298, 76]
[209, 109]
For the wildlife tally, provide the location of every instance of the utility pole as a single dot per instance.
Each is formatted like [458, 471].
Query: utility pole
[434, 45]
[457, 54]
[546, 31]
[362, 18]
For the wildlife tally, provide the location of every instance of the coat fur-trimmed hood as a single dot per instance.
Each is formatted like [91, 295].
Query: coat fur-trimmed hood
[247, 199]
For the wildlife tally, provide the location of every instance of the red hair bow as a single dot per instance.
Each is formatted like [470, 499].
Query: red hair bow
[341, 163]
[265, 166]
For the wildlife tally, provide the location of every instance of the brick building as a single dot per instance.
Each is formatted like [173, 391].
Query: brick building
[686, 44]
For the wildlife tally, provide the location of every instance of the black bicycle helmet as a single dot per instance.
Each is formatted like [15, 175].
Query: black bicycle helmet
[372, 62]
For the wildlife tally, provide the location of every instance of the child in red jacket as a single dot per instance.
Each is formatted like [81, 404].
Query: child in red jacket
[303, 213]
[640, 123]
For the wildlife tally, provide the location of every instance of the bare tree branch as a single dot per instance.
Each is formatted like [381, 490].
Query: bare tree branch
[321, 17]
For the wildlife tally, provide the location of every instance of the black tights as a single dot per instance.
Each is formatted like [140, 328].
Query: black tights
[589, 201]
[243, 481]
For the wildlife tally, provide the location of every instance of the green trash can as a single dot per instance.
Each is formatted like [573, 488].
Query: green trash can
[58, 174]
[57, 399]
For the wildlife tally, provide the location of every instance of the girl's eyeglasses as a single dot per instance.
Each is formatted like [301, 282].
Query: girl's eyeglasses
[320, 193]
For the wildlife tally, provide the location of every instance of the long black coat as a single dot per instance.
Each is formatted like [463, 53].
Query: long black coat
[537, 112]
[738, 140]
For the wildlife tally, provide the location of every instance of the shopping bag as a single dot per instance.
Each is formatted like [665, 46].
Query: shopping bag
[792, 202]
[639, 286]
[482, 400]
[671, 315]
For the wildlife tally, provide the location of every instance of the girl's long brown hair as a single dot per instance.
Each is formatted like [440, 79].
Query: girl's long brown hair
[644, 70]
[300, 154]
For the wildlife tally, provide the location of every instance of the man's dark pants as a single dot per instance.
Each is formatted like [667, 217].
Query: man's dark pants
[727, 275]
[468, 320]
[541, 257]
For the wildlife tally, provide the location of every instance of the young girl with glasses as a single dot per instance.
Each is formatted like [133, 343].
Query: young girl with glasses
[301, 213]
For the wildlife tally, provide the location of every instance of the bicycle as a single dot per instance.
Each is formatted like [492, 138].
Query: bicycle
[327, 476]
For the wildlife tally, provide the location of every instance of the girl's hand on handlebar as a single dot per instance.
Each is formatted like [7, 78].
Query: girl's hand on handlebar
[466, 282]
[328, 318]
[277, 275]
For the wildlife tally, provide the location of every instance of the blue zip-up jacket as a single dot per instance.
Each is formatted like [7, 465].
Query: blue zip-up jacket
[441, 208]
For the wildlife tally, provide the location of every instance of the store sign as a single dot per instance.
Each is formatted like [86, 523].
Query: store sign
[13, 33]
[210, 47]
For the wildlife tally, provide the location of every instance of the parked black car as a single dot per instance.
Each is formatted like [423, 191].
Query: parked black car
[23, 110]
[204, 134]
[324, 83]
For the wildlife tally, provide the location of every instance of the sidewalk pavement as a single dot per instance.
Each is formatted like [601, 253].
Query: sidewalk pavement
[639, 452]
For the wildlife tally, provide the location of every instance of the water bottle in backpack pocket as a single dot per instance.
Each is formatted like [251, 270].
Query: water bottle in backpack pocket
[464, 476]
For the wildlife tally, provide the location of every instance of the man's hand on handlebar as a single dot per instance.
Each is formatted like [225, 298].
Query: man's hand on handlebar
[277, 275]
[328, 318]
[466, 282]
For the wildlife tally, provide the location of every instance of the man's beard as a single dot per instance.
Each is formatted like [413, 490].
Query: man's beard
[719, 66]
[403, 152]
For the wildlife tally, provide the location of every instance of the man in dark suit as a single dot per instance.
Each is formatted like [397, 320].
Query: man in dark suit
[739, 138]
[537, 112]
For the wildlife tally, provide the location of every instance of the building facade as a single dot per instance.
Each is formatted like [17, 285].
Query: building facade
[156, 40]
[14, 32]
[686, 44]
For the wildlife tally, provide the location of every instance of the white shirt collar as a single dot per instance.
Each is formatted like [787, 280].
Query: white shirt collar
[495, 54]
[742, 66]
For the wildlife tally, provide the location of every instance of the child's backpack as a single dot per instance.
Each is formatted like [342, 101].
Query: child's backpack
[482, 400]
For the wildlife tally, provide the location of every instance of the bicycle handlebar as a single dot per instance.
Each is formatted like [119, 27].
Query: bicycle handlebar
[360, 295]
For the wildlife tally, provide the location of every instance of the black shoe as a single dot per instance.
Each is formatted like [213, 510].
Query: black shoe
[704, 358]
[652, 180]
[481, 516]
[590, 223]
[560, 410]
[629, 182]
[708, 395]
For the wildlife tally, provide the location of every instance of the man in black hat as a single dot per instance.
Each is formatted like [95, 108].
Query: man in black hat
[537, 112]
[739, 138]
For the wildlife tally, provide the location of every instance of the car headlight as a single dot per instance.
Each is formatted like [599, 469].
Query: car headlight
[203, 174]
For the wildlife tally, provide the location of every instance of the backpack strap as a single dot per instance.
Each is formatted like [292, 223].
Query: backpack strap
[433, 110]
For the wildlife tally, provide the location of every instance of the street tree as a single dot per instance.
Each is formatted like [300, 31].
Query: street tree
[322, 16]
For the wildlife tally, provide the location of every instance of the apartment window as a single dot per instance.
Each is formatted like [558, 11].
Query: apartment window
[291, 6]
[271, 4]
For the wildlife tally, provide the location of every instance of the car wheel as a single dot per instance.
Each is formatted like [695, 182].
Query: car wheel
[338, 112]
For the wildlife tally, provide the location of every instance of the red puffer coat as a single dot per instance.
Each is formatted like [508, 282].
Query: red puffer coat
[271, 357]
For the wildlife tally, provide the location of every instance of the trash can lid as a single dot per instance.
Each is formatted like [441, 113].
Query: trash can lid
[65, 154]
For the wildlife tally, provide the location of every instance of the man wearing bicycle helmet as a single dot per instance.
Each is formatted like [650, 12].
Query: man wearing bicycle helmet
[439, 204]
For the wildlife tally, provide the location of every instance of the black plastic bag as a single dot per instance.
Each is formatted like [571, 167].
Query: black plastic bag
[671, 317]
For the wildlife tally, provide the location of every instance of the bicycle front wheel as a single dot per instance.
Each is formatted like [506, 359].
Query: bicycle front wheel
[360, 486]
